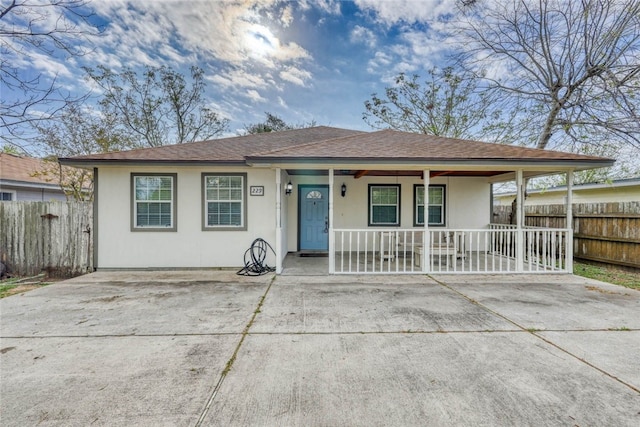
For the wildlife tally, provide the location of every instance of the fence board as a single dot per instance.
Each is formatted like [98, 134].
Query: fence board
[603, 232]
[51, 236]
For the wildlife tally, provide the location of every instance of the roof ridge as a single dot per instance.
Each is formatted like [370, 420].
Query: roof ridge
[309, 144]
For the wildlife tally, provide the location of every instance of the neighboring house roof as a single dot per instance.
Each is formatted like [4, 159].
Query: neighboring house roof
[24, 172]
[619, 183]
[326, 145]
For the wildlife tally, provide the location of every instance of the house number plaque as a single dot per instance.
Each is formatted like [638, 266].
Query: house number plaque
[256, 190]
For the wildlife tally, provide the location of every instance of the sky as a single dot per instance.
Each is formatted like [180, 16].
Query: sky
[303, 61]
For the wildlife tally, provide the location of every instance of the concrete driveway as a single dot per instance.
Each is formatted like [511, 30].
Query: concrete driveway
[211, 348]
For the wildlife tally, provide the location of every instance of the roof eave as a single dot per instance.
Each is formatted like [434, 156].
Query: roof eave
[577, 164]
[91, 163]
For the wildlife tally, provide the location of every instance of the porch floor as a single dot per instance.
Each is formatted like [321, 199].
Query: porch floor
[296, 265]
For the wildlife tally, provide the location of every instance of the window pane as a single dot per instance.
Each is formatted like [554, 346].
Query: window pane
[435, 196]
[154, 201]
[435, 215]
[235, 182]
[224, 196]
[384, 214]
[436, 206]
[384, 205]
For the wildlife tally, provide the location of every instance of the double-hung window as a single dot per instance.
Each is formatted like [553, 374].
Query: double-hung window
[435, 203]
[384, 205]
[224, 201]
[153, 202]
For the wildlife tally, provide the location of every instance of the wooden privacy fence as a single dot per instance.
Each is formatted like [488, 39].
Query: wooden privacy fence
[52, 236]
[603, 232]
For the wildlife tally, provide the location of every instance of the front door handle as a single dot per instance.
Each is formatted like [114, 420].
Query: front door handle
[326, 224]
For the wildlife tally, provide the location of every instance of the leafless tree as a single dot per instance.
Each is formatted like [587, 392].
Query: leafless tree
[158, 107]
[574, 65]
[447, 104]
[273, 123]
[30, 28]
[78, 129]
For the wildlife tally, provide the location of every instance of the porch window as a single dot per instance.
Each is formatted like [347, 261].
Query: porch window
[153, 202]
[436, 205]
[224, 200]
[384, 204]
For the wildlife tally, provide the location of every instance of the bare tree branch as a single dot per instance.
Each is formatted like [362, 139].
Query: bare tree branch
[57, 29]
[576, 62]
[158, 107]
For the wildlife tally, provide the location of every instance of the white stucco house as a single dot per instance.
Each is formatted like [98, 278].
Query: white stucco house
[358, 197]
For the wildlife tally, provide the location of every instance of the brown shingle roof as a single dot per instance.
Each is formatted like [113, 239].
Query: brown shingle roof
[18, 168]
[333, 144]
[234, 149]
[395, 145]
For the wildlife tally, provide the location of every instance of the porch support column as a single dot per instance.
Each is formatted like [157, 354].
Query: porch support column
[519, 222]
[332, 251]
[569, 225]
[278, 221]
[426, 245]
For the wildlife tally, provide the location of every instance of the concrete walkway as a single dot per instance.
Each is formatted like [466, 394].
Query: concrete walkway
[211, 348]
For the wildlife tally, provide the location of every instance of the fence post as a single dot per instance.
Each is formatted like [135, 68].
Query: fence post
[569, 225]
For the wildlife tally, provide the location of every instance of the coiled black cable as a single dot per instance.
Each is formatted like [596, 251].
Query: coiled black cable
[254, 259]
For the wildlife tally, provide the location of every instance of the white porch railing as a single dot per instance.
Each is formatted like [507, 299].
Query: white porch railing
[490, 250]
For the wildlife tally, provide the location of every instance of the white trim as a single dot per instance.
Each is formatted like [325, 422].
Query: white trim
[426, 235]
[519, 221]
[332, 261]
[569, 224]
[278, 221]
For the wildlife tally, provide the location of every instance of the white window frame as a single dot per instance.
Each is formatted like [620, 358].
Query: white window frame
[398, 204]
[172, 202]
[242, 200]
[443, 206]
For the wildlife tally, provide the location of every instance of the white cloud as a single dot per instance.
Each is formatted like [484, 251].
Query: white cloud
[295, 75]
[395, 11]
[49, 66]
[255, 96]
[241, 35]
[238, 78]
[360, 34]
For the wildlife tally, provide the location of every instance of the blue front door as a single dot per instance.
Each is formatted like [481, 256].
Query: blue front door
[313, 207]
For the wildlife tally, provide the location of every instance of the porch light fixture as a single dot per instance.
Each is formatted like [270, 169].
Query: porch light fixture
[343, 190]
[288, 188]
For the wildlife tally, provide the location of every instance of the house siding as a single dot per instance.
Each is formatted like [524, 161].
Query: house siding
[189, 246]
[34, 194]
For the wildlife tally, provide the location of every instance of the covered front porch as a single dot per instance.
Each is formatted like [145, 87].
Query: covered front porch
[453, 247]
[490, 251]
